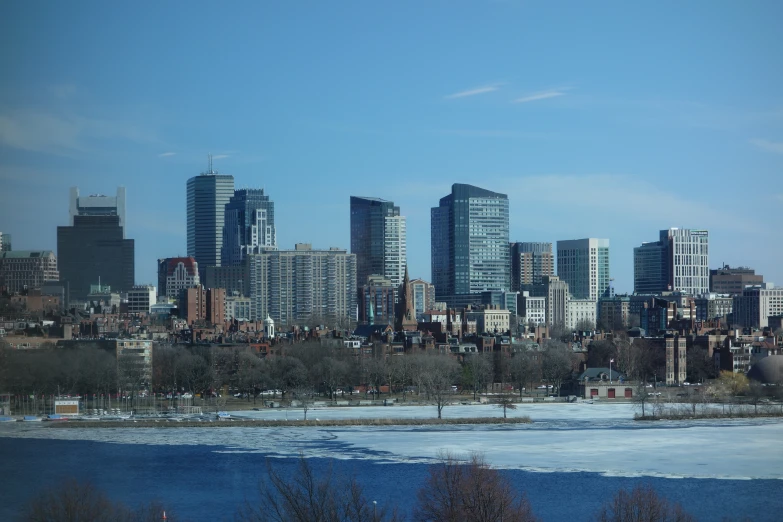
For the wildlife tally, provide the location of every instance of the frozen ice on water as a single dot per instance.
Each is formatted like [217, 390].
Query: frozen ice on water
[600, 438]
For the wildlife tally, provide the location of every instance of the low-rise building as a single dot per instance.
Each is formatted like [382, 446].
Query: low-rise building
[532, 309]
[490, 320]
[22, 270]
[753, 308]
[141, 298]
[581, 311]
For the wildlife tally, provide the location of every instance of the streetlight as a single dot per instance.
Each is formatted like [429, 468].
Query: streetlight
[374, 510]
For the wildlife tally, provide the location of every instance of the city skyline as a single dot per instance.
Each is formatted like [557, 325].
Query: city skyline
[582, 148]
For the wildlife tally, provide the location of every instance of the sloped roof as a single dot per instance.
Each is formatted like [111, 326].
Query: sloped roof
[594, 374]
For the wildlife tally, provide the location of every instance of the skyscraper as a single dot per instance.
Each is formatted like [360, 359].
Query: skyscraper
[207, 196]
[530, 262]
[93, 247]
[584, 265]
[469, 241]
[678, 262]
[378, 238]
[249, 225]
[98, 205]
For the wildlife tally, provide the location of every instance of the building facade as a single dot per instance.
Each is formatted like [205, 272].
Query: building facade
[490, 320]
[756, 305]
[98, 205]
[378, 239]
[469, 242]
[94, 248]
[237, 308]
[207, 196]
[728, 280]
[614, 313]
[677, 262]
[23, 270]
[581, 312]
[713, 306]
[176, 274]
[584, 265]
[530, 262]
[199, 305]
[423, 296]
[249, 226]
[297, 287]
[5, 242]
[377, 299]
[557, 297]
[141, 298]
[532, 309]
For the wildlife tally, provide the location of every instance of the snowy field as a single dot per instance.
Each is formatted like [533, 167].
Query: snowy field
[599, 438]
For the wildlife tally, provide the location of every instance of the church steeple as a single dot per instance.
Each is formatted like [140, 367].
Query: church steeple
[405, 316]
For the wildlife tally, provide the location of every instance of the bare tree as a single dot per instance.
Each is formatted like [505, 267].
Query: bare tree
[556, 364]
[642, 396]
[306, 498]
[440, 376]
[522, 370]
[469, 491]
[642, 504]
[505, 401]
[478, 371]
[80, 501]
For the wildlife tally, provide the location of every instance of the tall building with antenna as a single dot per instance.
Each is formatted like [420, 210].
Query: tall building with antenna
[207, 195]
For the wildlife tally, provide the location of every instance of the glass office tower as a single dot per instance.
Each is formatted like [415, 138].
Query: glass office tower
[469, 242]
[207, 196]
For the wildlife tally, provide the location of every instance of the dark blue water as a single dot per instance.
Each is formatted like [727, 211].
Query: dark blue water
[201, 484]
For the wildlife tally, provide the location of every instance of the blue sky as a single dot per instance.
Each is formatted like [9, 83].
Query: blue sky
[600, 119]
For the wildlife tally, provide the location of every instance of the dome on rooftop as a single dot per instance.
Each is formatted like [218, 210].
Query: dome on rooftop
[768, 370]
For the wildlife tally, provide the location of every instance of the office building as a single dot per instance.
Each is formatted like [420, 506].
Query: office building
[532, 310]
[677, 262]
[249, 226]
[713, 306]
[614, 313]
[5, 242]
[207, 196]
[141, 298]
[469, 242]
[377, 299]
[23, 270]
[557, 297]
[649, 268]
[176, 274]
[584, 265]
[530, 262]
[94, 248]
[756, 305]
[98, 205]
[237, 308]
[378, 239]
[581, 314]
[728, 280]
[303, 286]
[134, 364]
[234, 278]
[423, 297]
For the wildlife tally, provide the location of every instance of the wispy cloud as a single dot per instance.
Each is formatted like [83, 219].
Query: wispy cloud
[220, 156]
[473, 92]
[771, 146]
[543, 95]
[62, 134]
[166, 154]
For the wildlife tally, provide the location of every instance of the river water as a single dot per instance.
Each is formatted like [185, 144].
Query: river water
[571, 459]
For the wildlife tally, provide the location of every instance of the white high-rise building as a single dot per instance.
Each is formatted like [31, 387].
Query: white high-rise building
[584, 265]
[688, 260]
[394, 249]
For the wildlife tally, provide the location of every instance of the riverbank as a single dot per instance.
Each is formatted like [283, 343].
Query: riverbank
[259, 423]
[689, 415]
